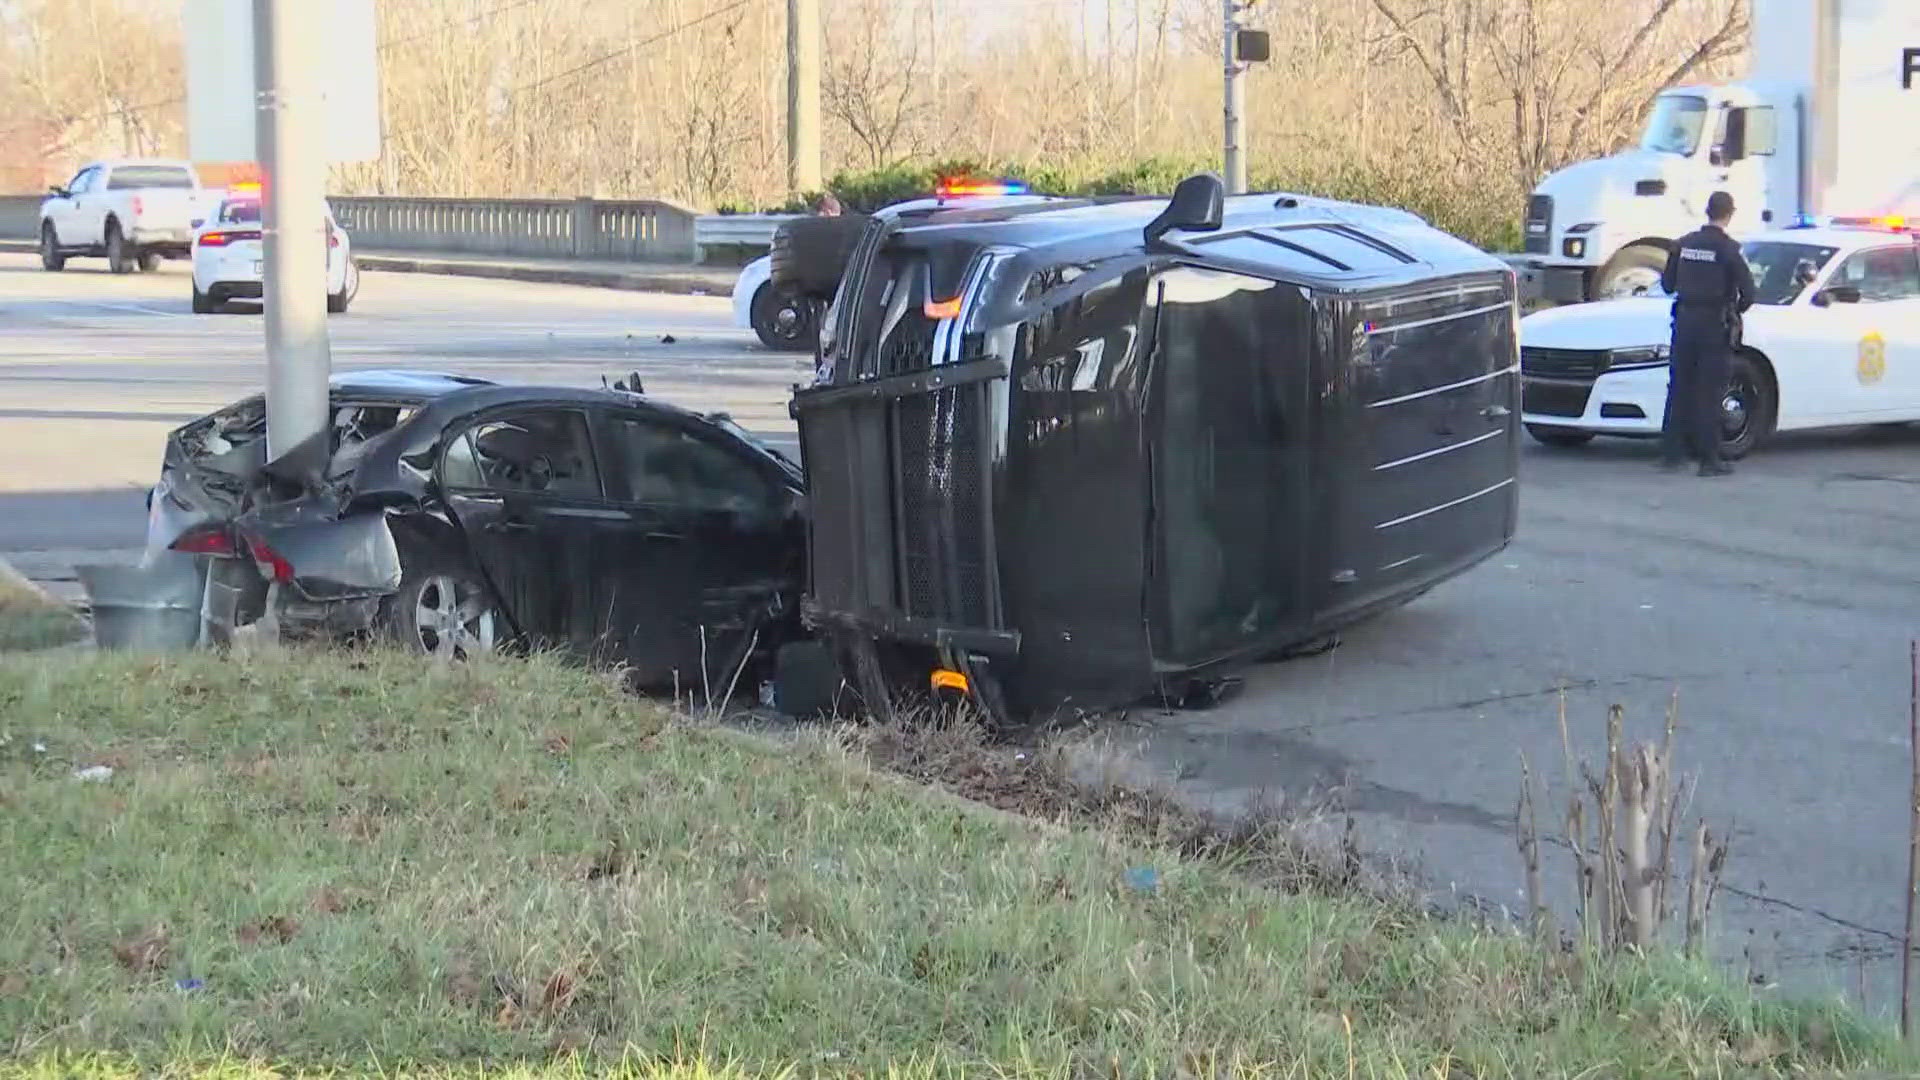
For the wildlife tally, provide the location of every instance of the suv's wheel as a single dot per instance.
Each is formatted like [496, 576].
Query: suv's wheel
[50, 257]
[809, 254]
[1747, 409]
[1559, 436]
[783, 322]
[119, 253]
[443, 611]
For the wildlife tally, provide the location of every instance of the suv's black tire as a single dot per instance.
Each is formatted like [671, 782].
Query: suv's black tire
[810, 253]
[51, 258]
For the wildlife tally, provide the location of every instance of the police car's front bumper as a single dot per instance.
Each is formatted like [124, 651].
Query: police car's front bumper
[1628, 402]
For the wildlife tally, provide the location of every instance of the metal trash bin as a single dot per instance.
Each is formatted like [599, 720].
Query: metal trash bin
[148, 608]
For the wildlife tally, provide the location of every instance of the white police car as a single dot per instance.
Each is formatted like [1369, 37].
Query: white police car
[227, 255]
[1833, 340]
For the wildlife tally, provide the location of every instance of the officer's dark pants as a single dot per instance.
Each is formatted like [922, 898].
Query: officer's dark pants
[1699, 369]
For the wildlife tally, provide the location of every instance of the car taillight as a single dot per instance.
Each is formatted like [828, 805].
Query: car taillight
[206, 540]
[333, 238]
[215, 239]
[272, 565]
[137, 206]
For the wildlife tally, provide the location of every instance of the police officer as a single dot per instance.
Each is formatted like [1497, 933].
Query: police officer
[1711, 288]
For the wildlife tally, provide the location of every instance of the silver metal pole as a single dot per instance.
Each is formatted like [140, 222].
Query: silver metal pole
[293, 175]
[1236, 103]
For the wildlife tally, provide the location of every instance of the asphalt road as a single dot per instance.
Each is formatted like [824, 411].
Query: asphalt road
[1778, 603]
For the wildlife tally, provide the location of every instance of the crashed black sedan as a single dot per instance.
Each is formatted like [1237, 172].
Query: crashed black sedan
[457, 515]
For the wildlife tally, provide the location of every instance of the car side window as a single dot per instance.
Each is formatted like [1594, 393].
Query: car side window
[670, 466]
[83, 181]
[1889, 273]
[547, 452]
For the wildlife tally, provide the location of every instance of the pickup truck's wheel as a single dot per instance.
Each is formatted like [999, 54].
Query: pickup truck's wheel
[1748, 408]
[1563, 438]
[149, 261]
[50, 257]
[783, 322]
[120, 256]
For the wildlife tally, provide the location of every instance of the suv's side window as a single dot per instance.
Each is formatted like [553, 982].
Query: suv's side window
[1889, 273]
[547, 452]
[670, 466]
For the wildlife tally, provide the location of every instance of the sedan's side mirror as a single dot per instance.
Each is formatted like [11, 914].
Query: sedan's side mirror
[1837, 294]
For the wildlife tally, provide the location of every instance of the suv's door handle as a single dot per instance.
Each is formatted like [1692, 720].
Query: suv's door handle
[1496, 412]
[508, 525]
[664, 535]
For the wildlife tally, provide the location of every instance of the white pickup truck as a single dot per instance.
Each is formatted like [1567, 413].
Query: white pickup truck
[133, 212]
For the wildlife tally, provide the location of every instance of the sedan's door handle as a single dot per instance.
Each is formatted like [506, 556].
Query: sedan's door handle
[508, 525]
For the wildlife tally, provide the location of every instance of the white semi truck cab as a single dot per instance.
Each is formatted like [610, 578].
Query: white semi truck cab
[1827, 123]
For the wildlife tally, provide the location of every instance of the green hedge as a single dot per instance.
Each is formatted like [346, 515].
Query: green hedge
[1483, 213]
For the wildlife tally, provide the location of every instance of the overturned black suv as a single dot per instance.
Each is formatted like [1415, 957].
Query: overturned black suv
[1088, 452]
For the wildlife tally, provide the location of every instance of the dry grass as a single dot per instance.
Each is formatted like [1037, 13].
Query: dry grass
[365, 863]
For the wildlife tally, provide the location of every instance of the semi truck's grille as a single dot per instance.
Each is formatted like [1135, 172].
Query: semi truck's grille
[1563, 363]
[1554, 398]
[1539, 225]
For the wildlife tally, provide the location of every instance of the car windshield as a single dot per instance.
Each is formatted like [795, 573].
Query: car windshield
[236, 213]
[1782, 271]
[1676, 124]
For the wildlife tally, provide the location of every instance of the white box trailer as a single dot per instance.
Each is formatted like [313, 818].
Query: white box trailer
[1826, 123]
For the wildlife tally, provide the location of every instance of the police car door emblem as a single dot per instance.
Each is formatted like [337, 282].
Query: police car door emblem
[1873, 359]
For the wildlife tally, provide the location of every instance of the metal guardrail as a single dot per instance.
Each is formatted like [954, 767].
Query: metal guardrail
[627, 231]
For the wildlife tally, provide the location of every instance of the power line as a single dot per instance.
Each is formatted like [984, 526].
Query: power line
[616, 54]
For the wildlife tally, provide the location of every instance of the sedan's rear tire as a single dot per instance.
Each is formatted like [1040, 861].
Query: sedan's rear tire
[1559, 437]
[202, 303]
[336, 303]
[443, 611]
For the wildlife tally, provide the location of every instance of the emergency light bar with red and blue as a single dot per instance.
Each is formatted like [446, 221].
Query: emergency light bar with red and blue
[1887, 223]
[956, 189]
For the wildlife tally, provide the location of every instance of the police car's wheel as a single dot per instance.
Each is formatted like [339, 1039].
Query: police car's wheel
[202, 303]
[1559, 437]
[1748, 408]
[782, 322]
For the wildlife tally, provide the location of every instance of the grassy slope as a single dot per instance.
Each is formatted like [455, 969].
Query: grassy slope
[361, 857]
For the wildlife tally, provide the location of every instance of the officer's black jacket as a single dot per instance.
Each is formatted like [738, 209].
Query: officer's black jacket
[1707, 271]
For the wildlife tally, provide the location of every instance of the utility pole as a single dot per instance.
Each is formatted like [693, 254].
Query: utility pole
[1235, 96]
[803, 95]
[293, 174]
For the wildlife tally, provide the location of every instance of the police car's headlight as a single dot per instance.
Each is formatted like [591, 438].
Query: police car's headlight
[1651, 354]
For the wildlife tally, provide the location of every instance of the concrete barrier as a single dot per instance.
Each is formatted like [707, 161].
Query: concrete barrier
[19, 217]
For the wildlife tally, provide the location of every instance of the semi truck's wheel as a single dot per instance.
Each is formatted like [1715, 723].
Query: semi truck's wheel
[1634, 270]
[1749, 407]
[809, 254]
[50, 257]
[1562, 438]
